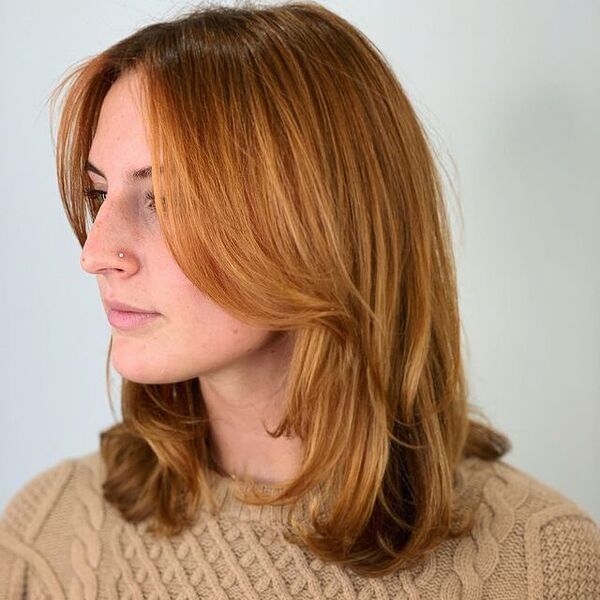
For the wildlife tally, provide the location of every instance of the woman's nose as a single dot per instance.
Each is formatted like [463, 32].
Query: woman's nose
[108, 244]
[116, 260]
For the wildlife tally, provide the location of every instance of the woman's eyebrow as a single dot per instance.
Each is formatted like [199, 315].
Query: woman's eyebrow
[132, 175]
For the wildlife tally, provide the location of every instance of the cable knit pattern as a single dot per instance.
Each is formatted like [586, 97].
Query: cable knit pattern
[87, 519]
[59, 539]
[569, 541]
[23, 516]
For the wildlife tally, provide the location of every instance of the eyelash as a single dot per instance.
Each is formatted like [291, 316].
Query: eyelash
[92, 196]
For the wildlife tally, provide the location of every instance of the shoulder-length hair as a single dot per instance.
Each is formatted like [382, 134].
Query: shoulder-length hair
[299, 191]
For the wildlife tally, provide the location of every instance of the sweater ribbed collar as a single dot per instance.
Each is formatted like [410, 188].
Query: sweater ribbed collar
[224, 491]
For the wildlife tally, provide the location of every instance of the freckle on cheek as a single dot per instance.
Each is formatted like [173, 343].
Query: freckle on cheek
[235, 331]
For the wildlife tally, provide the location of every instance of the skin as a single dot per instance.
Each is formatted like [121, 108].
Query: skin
[241, 369]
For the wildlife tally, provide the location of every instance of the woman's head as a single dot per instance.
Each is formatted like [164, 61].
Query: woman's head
[191, 335]
[296, 191]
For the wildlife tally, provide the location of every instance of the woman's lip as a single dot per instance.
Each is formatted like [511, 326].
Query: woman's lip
[123, 319]
[116, 305]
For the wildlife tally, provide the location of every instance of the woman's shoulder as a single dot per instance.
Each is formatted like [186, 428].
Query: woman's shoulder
[506, 487]
[523, 523]
[38, 524]
[43, 494]
[518, 498]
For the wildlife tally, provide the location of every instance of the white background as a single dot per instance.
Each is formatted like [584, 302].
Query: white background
[510, 94]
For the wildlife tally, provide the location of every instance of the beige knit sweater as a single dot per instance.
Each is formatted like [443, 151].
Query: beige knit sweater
[60, 539]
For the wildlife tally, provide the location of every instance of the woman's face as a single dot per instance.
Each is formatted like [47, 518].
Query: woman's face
[191, 336]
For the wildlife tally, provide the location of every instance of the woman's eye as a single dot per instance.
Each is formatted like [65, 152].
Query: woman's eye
[95, 199]
[92, 194]
[92, 200]
[152, 205]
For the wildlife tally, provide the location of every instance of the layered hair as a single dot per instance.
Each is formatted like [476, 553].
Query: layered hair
[300, 192]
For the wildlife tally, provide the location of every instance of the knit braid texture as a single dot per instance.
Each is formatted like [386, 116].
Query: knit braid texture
[59, 540]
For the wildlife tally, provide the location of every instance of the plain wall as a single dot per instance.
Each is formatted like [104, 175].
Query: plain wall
[509, 93]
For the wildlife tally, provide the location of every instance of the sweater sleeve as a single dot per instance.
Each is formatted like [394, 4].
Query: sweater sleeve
[564, 553]
[12, 574]
[22, 567]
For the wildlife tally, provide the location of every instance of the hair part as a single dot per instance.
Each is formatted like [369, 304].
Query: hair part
[300, 193]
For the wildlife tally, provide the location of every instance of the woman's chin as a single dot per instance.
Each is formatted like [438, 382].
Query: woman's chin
[133, 368]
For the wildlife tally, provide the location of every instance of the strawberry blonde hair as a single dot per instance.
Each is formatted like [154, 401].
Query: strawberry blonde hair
[299, 193]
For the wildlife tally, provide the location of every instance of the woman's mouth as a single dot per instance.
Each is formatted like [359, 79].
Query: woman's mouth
[122, 319]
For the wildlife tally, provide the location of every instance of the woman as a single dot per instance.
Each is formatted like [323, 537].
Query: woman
[262, 212]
